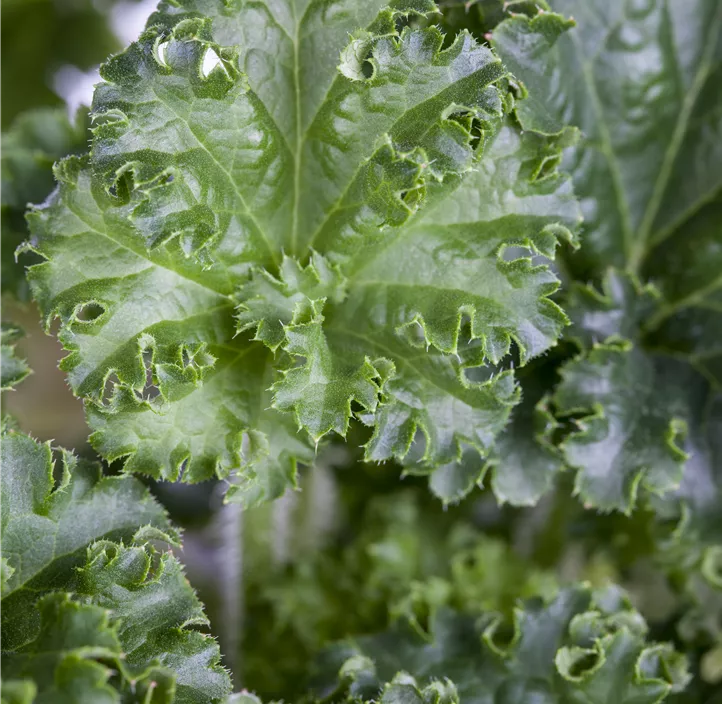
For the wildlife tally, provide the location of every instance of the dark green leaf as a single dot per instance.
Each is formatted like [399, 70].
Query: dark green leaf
[85, 619]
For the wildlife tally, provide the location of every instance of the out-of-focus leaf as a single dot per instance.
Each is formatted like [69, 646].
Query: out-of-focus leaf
[583, 646]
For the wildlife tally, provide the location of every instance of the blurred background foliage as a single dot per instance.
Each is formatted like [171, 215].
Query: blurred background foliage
[39, 39]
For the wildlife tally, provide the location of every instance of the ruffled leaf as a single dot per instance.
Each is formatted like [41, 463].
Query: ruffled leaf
[368, 219]
[674, 405]
[583, 646]
[268, 304]
[629, 433]
[525, 460]
[85, 618]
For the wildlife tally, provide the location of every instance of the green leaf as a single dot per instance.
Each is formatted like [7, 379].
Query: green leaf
[320, 391]
[48, 523]
[34, 141]
[615, 313]
[366, 205]
[647, 172]
[630, 423]
[481, 16]
[226, 428]
[525, 43]
[642, 82]
[632, 436]
[18, 692]
[14, 369]
[156, 610]
[404, 554]
[85, 618]
[686, 268]
[525, 460]
[269, 304]
[521, 463]
[642, 409]
[694, 506]
[649, 181]
[583, 646]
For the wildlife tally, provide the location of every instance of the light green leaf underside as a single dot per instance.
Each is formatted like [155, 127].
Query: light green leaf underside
[580, 647]
[84, 618]
[225, 427]
[159, 362]
[204, 193]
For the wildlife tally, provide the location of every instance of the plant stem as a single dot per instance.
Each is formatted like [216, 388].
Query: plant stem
[230, 590]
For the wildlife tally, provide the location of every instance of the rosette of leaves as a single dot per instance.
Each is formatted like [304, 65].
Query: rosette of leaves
[584, 646]
[279, 228]
[92, 610]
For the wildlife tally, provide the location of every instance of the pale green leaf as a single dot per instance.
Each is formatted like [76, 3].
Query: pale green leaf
[268, 304]
[367, 206]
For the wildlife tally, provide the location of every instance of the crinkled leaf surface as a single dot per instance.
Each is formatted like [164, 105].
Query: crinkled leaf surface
[351, 206]
[85, 618]
[481, 16]
[642, 82]
[631, 437]
[525, 460]
[583, 646]
[645, 418]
